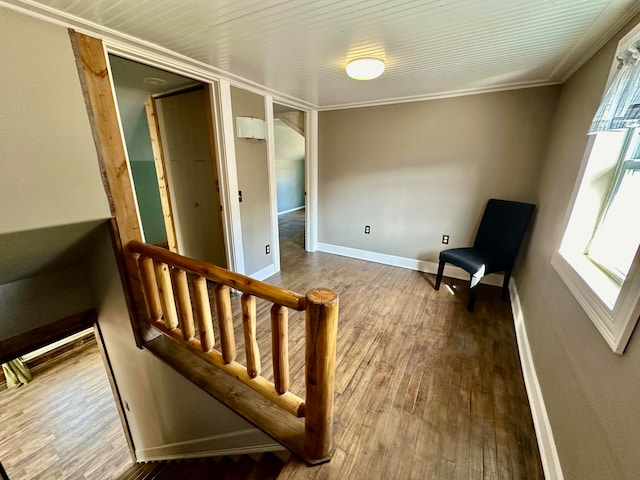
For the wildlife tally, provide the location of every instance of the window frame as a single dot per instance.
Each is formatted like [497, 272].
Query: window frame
[614, 309]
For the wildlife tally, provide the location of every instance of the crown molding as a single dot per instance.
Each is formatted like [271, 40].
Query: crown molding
[438, 96]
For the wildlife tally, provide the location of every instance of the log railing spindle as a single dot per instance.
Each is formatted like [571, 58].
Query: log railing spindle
[203, 310]
[225, 321]
[320, 356]
[280, 342]
[250, 341]
[145, 264]
[185, 312]
[166, 295]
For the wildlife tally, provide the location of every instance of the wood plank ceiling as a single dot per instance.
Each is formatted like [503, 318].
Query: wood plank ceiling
[431, 47]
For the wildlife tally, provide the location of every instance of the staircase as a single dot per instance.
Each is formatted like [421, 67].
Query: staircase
[266, 466]
[184, 300]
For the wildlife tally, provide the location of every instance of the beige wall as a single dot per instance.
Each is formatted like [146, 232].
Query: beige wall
[253, 182]
[416, 171]
[32, 302]
[50, 176]
[48, 165]
[591, 394]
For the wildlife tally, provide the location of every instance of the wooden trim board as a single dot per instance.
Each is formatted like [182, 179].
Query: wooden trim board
[93, 70]
[26, 342]
[161, 173]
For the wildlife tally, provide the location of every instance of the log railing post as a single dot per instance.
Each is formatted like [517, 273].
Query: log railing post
[280, 347]
[203, 309]
[250, 341]
[185, 311]
[150, 287]
[225, 322]
[321, 336]
[166, 295]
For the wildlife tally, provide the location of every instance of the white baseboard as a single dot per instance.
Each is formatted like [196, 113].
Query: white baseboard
[236, 443]
[291, 210]
[495, 279]
[544, 434]
[264, 273]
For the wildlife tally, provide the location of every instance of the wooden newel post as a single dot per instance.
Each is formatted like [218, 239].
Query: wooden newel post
[321, 335]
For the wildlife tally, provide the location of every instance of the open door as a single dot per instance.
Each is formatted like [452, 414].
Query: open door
[290, 165]
[180, 126]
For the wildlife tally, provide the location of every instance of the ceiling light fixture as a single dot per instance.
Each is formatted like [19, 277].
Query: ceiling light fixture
[155, 81]
[365, 68]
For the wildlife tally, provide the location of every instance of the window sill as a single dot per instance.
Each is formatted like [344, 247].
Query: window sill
[613, 311]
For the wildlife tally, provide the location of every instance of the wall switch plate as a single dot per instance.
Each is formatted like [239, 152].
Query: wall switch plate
[367, 229]
[445, 239]
[267, 249]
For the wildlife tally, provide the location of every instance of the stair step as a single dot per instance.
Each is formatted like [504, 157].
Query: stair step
[267, 468]
[241, 468]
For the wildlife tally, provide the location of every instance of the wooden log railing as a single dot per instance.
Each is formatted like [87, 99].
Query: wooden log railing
[165, 278]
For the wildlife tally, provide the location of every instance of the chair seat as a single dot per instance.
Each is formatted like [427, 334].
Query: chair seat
[474, 261]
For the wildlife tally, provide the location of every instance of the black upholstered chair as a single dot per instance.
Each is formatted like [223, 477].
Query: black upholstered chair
[496, 245]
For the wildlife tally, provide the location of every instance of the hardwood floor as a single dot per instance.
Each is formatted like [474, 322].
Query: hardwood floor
[64, 424]
[424, 389]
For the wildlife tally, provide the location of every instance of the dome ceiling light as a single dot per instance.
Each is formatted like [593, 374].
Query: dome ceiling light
[365, 68]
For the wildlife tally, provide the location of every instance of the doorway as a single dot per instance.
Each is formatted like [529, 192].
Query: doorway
[170, 141]
[290, 161]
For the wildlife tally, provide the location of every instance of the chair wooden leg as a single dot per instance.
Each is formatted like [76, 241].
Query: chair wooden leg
[439, 275]
[505, 285]
[472, 297]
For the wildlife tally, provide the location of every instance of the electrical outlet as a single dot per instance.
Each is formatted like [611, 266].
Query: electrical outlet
[445, 239]
[267, 249]
[367, 229]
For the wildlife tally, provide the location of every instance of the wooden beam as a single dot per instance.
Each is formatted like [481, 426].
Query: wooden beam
[91, 60]
[26, 342]
[161, 173]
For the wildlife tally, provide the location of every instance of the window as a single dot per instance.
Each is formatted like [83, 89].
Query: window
[599, 257]
[617, 235]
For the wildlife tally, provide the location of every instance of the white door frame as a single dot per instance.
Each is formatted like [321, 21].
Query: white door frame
[222, 115]
[310, 173]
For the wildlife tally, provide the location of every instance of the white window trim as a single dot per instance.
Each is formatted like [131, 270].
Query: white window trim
[614, 319]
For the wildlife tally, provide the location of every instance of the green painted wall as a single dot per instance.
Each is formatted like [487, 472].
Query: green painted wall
[148, 195]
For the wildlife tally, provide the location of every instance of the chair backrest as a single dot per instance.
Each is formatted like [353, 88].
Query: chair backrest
[502, 228]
